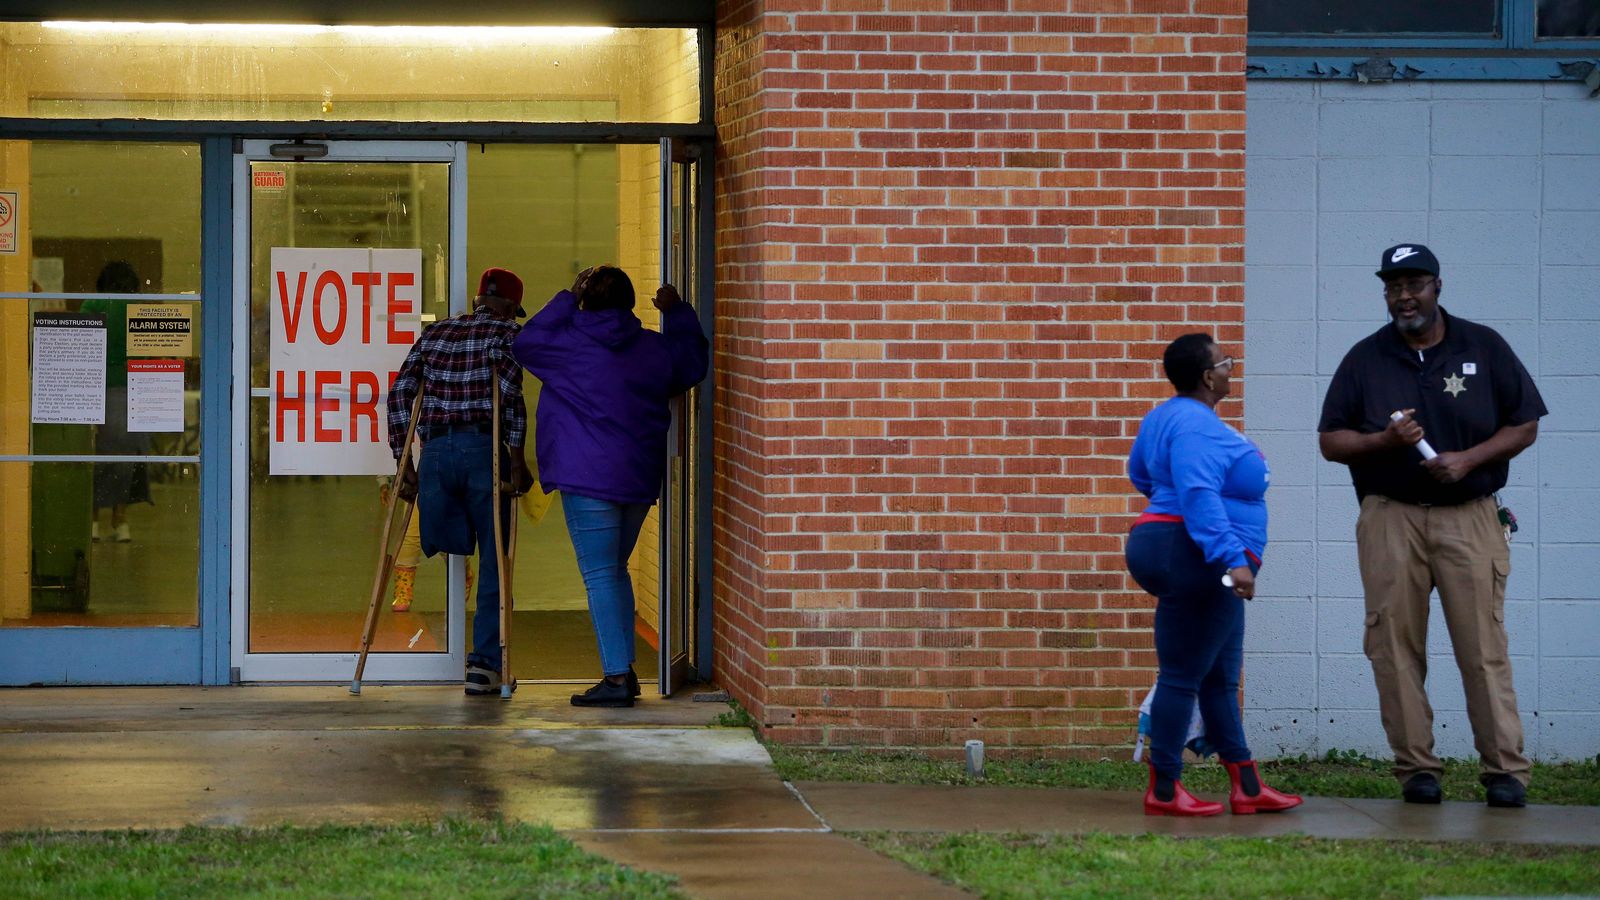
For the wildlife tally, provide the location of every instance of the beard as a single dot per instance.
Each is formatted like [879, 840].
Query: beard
[1416, 323]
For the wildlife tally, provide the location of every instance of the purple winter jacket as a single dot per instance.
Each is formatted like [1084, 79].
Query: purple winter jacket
[603, 415]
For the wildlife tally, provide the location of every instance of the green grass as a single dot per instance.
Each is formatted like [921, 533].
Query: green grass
[449, 859]
[1158, 866]
[1339, 774]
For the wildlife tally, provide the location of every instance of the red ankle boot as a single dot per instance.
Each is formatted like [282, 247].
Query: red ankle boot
[1265, 799]
[1182, 803]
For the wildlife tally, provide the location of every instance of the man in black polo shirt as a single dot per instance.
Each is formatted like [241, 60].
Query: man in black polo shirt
[1434, 522]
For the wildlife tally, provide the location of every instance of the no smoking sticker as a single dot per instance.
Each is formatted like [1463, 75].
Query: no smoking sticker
[8, 221]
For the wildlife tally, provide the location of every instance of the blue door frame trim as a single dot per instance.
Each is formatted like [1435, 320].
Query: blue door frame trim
[216, 419]
[61, 656]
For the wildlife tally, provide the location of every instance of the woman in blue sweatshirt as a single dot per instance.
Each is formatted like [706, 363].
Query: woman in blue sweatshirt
[1197, 548]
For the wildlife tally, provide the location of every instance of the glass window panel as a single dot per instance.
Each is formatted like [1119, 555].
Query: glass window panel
[148, 399]
[348, 73]
[314, 538]
[84, 204]
[101, 218]
[1569, 18]
[1478, 17]
[69, 556]
[313, 550]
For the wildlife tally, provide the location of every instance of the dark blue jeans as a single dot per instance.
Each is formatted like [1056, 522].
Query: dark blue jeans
[1199, 644]
[603, 534]
[455, 491]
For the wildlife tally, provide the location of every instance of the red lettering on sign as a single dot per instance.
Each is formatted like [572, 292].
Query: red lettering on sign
[367, 280]
[323, 380]
[291, 320]
[329, 336]
[398, 306]
[364, 407]
[296, 404]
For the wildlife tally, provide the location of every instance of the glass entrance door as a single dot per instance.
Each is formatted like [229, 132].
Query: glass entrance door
[682, 513]
[344, 252]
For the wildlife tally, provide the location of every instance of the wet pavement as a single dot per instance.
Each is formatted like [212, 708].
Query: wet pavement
[163, 758]
[945, 808]
[651, 786]
[257, 708]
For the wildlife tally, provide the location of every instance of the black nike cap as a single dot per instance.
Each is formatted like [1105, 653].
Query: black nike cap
[1408, 258]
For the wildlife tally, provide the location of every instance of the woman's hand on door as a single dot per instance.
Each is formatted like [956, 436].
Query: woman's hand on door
[667, 297]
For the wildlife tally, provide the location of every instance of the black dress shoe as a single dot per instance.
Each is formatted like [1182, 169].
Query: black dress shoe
[1506, 792]
[633, 682]
[605, 695]
[1422, 787]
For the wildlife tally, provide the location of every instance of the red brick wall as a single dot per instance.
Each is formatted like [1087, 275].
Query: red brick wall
[952, 242]
[742, 496]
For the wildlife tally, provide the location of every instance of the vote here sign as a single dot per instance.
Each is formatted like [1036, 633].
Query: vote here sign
[342, 322]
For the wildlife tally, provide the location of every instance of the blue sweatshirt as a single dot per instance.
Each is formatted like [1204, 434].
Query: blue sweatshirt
[1192, 464]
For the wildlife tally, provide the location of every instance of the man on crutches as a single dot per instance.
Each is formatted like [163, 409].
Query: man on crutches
[457, 364]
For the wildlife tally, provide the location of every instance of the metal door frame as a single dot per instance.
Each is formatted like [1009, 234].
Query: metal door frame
[690, 160]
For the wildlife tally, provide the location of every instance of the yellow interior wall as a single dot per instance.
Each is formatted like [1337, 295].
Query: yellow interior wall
[541, 210]
[262, 74]
[16, 600]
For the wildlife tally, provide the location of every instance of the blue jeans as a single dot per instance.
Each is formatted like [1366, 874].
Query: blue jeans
[603, 534]
[455, 496]
[1199, 644]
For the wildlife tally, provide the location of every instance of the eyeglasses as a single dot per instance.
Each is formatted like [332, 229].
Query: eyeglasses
[1225, 364]
[1413, 286]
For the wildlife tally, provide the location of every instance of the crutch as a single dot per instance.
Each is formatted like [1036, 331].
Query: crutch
[380, 582]
[502, 564]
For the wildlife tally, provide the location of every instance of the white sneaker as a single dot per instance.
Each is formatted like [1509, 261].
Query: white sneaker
[94, 531]
[483, 681]
[122, 535]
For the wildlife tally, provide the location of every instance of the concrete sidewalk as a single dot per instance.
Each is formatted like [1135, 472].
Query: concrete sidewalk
[651, 787]
[948, 808]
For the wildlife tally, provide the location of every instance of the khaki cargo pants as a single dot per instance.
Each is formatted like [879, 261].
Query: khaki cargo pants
[1406, 551]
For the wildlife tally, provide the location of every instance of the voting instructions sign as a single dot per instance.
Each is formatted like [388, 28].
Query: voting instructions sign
[342, 322]
[69, 369]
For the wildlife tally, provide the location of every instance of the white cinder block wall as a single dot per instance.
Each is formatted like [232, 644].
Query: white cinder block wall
[1502, 181]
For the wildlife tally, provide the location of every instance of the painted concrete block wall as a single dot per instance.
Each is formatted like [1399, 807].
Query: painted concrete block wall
[1502, 181]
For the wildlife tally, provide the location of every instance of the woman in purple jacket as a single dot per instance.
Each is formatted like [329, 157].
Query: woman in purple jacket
[601, 437]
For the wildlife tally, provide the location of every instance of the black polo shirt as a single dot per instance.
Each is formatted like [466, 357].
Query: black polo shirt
[1464, 389]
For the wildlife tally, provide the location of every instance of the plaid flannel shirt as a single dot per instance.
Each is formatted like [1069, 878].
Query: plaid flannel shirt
[454, 359]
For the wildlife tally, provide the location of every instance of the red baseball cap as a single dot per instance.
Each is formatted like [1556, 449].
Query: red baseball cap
[497, 282]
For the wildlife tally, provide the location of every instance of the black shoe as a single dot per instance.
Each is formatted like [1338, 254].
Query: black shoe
[1422, 787]
[633, 682]
[605, 695]
[1506, 792]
